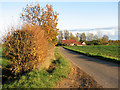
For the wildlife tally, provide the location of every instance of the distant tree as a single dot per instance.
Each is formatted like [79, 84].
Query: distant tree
[77, 37]
[95, 37]
[82, 37]
[90, 36]
[60, 37]
[105, 38]
[99, 34]
[0, 45]
[72, 36]
[66, 34]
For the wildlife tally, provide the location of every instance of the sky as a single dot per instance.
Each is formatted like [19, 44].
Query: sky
[88, 17]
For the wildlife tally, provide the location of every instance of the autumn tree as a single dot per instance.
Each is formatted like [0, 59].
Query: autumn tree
[77, 36]
[105, 38]
[44, 17]
[66, 34]
[28, 46]
[72, 36]
[82, 37]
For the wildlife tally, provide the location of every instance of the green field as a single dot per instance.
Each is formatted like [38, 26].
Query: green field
[109, 52]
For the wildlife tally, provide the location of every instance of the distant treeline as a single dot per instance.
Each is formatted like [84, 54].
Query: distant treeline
[100, 42]
[89, 38]
[114, 42]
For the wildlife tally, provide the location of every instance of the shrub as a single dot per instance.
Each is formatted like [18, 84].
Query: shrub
[25, 48]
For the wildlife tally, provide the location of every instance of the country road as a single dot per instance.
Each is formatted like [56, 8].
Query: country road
[105, 73]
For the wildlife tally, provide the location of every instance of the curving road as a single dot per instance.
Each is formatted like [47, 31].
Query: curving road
[105, 73]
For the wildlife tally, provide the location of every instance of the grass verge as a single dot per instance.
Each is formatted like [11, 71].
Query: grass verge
[3, 61]
[85, 50]
[43, 78]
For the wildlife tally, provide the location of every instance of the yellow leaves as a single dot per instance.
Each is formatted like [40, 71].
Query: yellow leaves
[35, 12]
[8, 44]
[34, 54]
[27, 16]
[27, 10]
[47, 6]
[38, 5]
[45, 20]
[51, 6]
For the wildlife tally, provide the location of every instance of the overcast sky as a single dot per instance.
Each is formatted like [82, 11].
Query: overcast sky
[74, 16]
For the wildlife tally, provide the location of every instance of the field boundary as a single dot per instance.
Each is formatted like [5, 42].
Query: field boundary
[94, 56]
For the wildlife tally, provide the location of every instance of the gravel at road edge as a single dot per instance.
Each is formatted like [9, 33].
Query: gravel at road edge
[78, 79]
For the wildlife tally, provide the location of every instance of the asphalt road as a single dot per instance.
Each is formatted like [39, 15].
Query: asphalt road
[105, 73]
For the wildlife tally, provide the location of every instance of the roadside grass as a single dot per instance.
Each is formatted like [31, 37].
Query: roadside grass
[43, 78]
[103, 52]
[0, 55]
[3, 61]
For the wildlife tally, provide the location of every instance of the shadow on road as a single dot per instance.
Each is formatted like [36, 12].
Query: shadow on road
[89, 58]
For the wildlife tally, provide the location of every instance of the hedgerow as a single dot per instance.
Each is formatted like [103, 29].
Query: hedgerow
[25, 48]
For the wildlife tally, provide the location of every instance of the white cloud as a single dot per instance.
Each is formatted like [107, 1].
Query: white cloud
[94, 32]
[111, 32]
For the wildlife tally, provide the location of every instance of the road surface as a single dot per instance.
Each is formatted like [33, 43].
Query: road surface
[105, 73]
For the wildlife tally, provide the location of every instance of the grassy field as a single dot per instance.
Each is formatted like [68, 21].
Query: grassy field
[43, 78]
[101, 51]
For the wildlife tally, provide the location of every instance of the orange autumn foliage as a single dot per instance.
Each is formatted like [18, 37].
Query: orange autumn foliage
[44, 17]
[25, 48]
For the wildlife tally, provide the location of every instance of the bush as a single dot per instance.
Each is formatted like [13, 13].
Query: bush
[25, 48]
